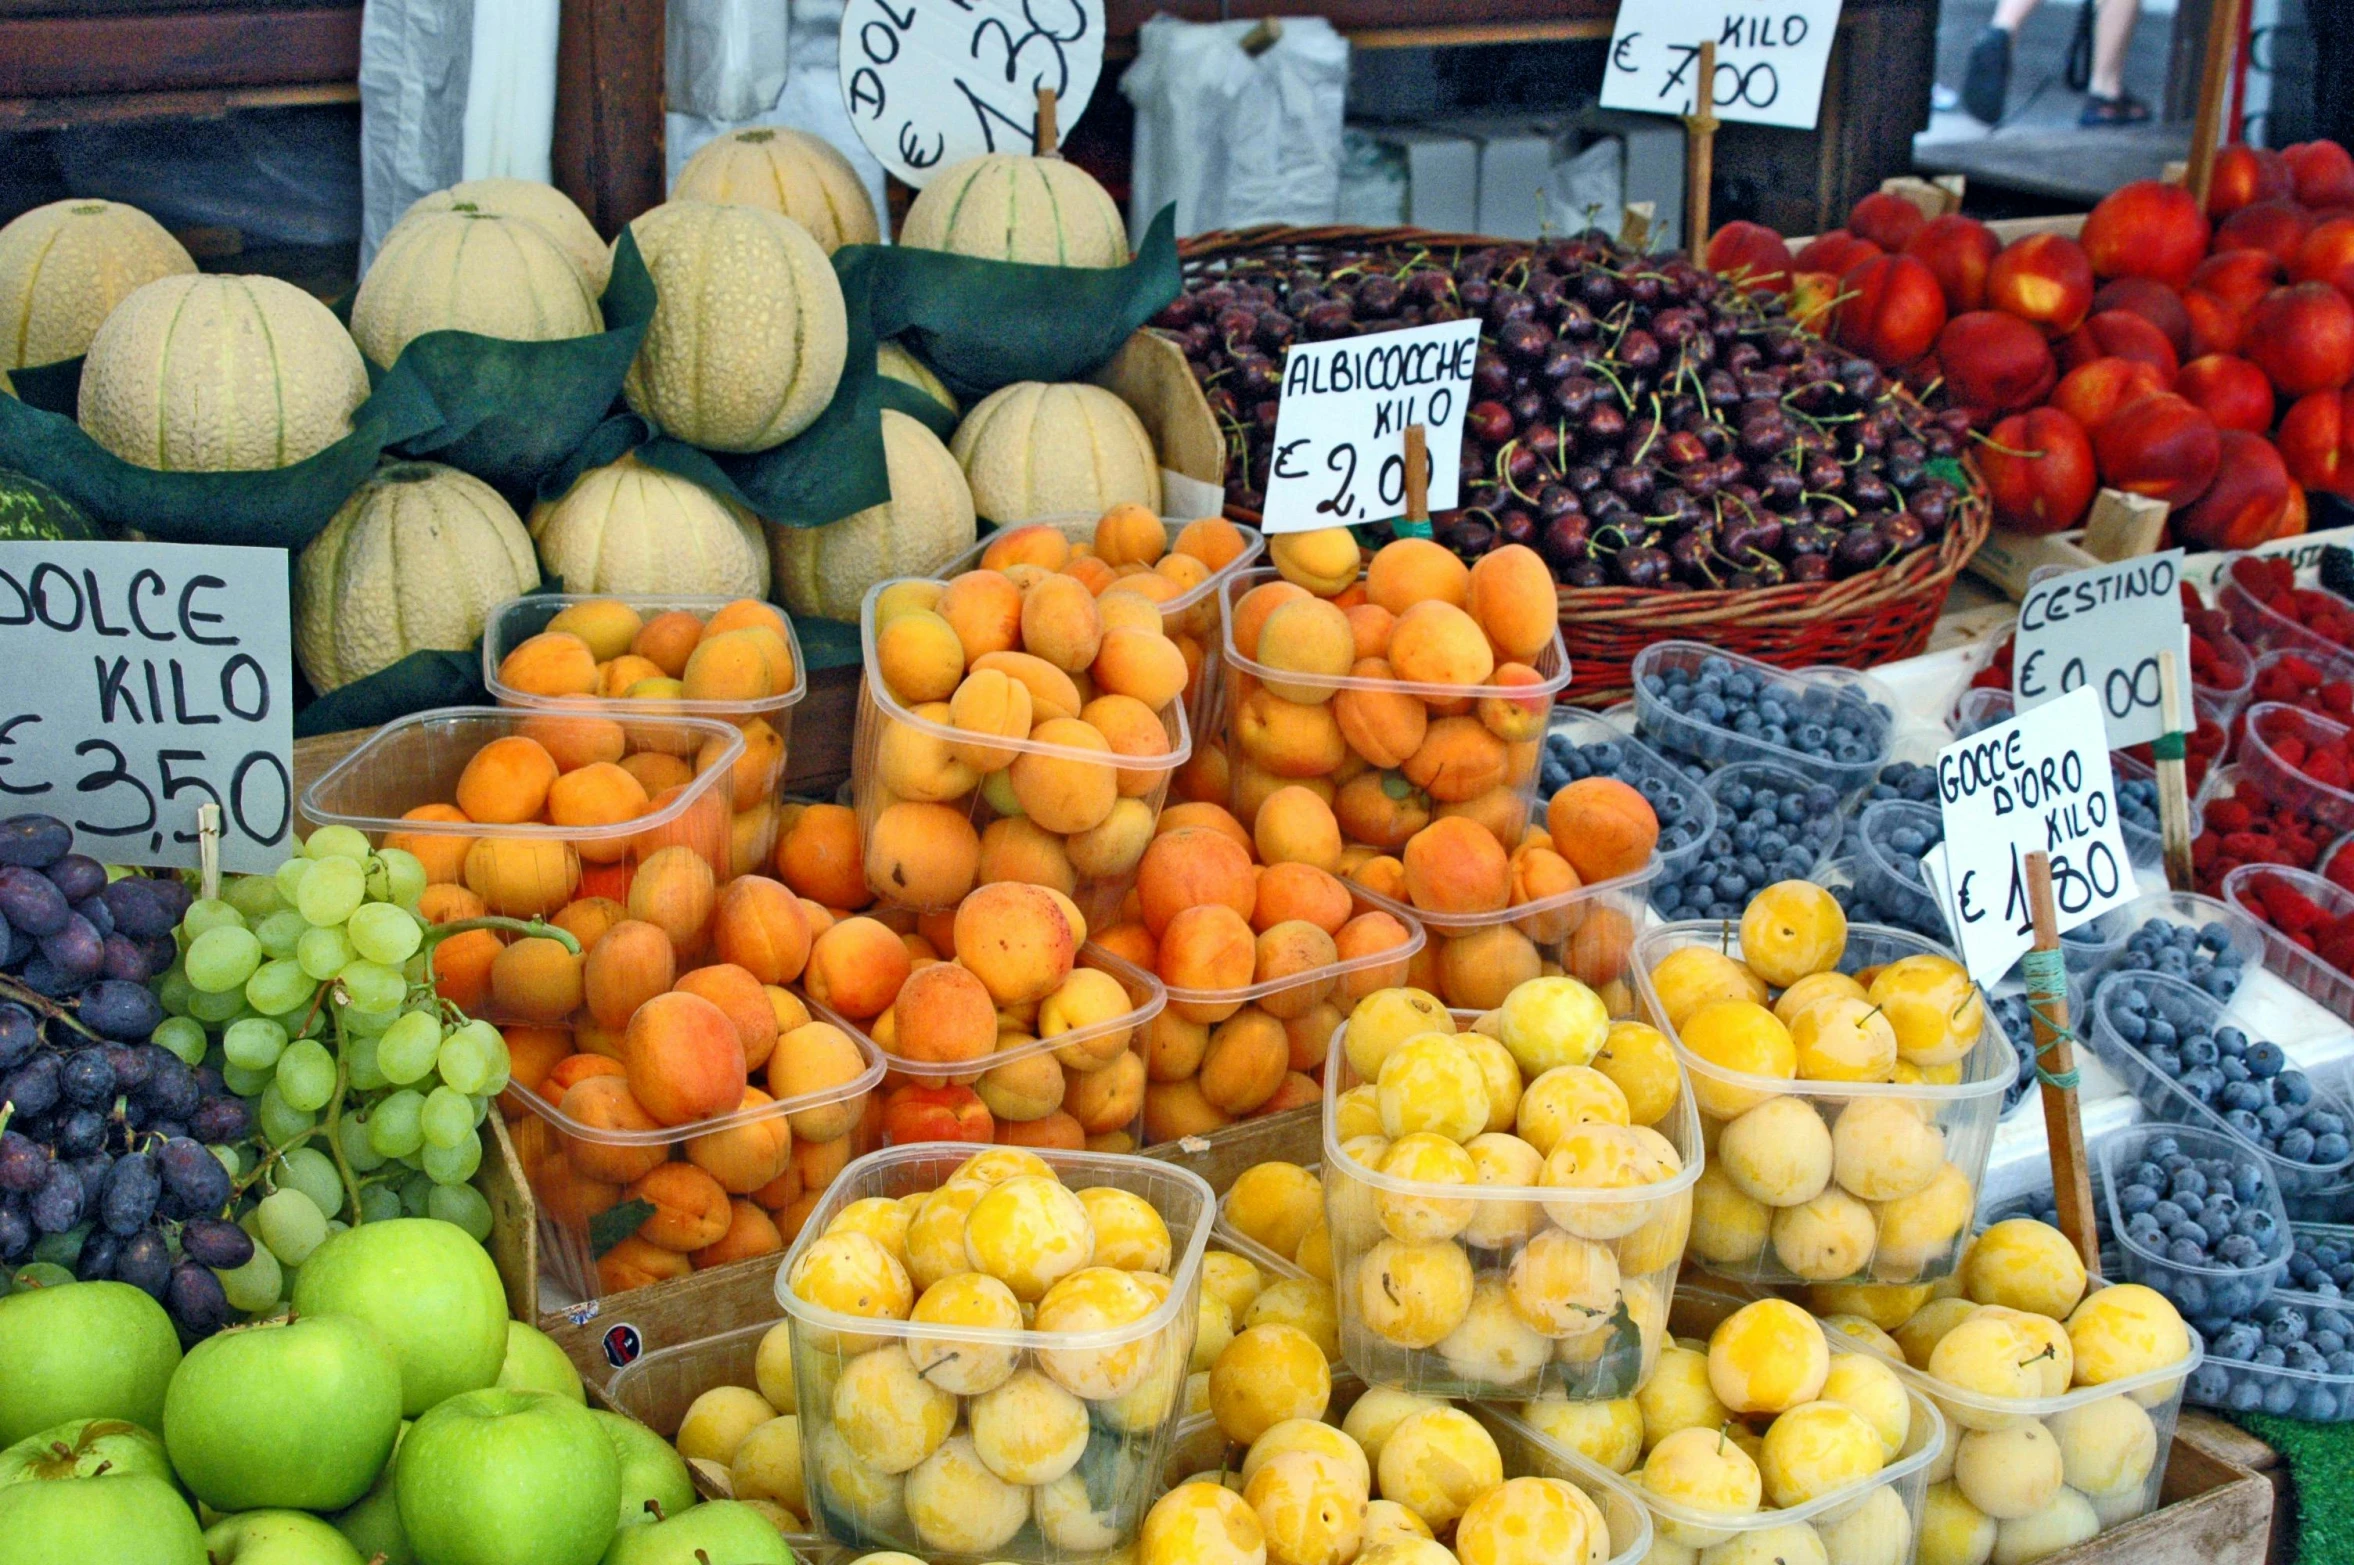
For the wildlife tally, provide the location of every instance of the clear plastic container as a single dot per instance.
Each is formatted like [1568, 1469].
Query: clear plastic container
[2156, 1392]
[1474, 960]
[2262, 627]
[1697, 1312]
[532, 869]
[949, 1508]
[2304, 971]
[2251, 1386]
[1272, 740]
[759, 776]
[1895, 886]
[2145, 848]
[585, 1176]
[2235, 675]
[2188, 909]
[1202, 1451]
[2207, 1294]
[1929, 1230]
[2168, 1102]
[1439, 1260]
[1648, 771]
[1712, 884]
[1857, 703]
[918, 850]
[2270, 722]
[1197, 613]
[1312, 1002]
[1982, 706]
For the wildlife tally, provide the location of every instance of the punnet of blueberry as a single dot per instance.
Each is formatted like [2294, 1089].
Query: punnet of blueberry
[1772, 825]
[2291, 1356]
[2201, 954]
[1720, 710]
[2201, 1229]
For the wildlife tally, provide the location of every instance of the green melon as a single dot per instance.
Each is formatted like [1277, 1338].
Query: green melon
[29, 508]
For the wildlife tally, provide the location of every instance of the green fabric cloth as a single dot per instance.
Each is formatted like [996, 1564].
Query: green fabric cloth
[2320, 1459]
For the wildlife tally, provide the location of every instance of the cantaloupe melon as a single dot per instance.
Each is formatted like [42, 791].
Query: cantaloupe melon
[901, 365]
[220, 374]
[927, 522]
[470, 271]
[787, 171]
[1032, 449]
[749, 332]
[544, 205]
[628, 527]
[415, 560]
[63, 269]
[1005, 207]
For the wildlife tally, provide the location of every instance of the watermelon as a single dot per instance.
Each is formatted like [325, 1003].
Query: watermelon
[29, 508]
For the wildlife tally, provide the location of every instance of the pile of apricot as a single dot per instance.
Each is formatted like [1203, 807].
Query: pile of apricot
[1397, 1479]
[2014, 1347]
[1388, 690]
[1017, 694]
[1765, 1415]
[1492, 1229]
[1017, 1381]
[1827, 1187]
[731, 662]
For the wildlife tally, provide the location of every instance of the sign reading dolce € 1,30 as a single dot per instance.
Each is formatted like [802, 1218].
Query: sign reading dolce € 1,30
[2038, 783]
[1340, 430]
[2101, 629]
[140, 681]
[934, 82]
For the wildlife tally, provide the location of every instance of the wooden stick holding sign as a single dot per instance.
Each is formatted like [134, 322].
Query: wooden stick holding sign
[1700, 152]
[1416, 523]
[1046, 140]
[2047, 1003]
[208, 852]
[2174, 800]
[2222, 51]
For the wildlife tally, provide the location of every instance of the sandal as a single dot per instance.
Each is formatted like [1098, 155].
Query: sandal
[2124, 109]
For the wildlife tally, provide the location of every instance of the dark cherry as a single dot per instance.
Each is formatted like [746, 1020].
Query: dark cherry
[1491, 377]
[1490, 423]
[1523, 341]
[1378, 298]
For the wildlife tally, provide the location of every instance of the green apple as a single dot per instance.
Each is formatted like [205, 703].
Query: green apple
[650, 1469]
[127, 1520]
[429, 1288]
[284, 1415]
[277, 1538]
[85, 1448]
[83, 1350]
[373, 1523]
[535, 1363]
[499, 1477]
[720, 1530]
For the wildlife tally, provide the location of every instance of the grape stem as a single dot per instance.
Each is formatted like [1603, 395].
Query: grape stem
[527, 927]
[12, 990]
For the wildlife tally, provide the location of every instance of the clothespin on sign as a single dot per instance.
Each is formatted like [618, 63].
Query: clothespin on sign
[1416, 522]
[2055, 1065]
[1263, 37]
[2174, 805]
[1700, 152]
[1046, 141]
[1634, 225]
[208, 851]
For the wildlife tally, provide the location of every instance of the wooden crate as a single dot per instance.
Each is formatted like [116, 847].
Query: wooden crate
[2212, 1511]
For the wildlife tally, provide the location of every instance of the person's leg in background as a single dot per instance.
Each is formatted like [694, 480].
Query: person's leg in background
[2106, 102]
[1986, 81]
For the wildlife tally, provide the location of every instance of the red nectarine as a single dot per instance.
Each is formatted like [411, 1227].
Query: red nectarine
[2302, 337]
[1889, 221]
[2043, 279]
[2120, 334]
[2321, 171]
[2244, 505]
[2146, 229]
[1893, 312]
[2159, 446]
[2244, 175]
[2317, 442]
[1994, 362]
[2039, 471]
[1957, 250]
[2091, 392]
[1752, 255]
[2229, 390]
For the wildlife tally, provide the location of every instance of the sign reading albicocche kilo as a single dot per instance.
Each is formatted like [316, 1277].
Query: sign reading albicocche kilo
[1340, 429]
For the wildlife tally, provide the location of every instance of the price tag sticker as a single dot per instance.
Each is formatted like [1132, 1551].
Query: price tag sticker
[141, 681]
[2038, 783]
[2101, 629]
[934, 82]
[1340, 429]
[1769, 59]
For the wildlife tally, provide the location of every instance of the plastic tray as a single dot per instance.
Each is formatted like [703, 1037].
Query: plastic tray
[1696, 1313]
[1471, 965]
[1856, 699]
[1638, 763]
[573, 1237]
[1643, 1228]
[2236, 1386]
[1128, 1445]
[533, 869]
[1336, 986]
[1098, 894]
[1966, 1113]
[2205, 1294]
[2231, 693]
[2319, 982]
[2167, 1102]
[2261, 627]
[2268, 721]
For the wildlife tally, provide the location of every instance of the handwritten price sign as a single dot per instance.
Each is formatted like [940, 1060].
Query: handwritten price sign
[1769, 61]
[1340, 430]
[934, 82]
[2101, 629]
[142, 680]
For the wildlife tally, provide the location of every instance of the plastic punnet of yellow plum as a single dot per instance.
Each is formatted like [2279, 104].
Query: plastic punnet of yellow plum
[1702, 1471]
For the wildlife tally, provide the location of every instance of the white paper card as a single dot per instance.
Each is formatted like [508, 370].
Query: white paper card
[1769, 60]
[1340, 430]
[2102, 629]
[142, 680]
[932, 82]
[2038, 783]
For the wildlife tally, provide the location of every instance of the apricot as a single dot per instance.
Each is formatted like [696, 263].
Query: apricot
[1016, 940]
[991, 702]
[690, 1209]
[604, 1103]
[522, 877]
[1436, 643]
[1457, 866]
[1052, 692]
[1383, 726]
[1295, 890]
[1604, 827]
[638, 1263]
[1369, 934]
[739, 994]
[1128, 725]
[1014, 847]
[918, 761]
[758, 925]
[1065, 792]
[815, 1161]
[1113, 847]
[1106, 1100]
[1176, 1109]
[1286, 951]
[1087, 1002]
[1541, 875]
[632, 964]
[809, 1061]
[1213, 540]
[736, 666]
[657, 772]
[857, 968]
[674, 890]
[1383, 876]
[943, 1014]
[598, 794]
[684, 1059]
[1379, 811]
[624, 673]
[444, 903]
[576, 740]
[1140, 663]
[667, 640]
[444, 856]
[1324, 561]
[1290, 739]
[1416, 570]
[922, 854]
[1060, 623]
[1254, 608]
[1209, 947]
[919, 657]
[821, 857]
[536, 979]
[1502, 810]
[745, 1158]
[1308, 637]
[506, 781]
[1516, 719]
[1296, 826]
[552, 663]
[1245, 1061]
[1476, 971]
[1458, 759]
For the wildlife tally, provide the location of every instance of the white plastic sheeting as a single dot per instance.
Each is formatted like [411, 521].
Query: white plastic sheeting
[724, 59]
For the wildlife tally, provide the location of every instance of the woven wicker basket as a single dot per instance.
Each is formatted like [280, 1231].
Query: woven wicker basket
[1873, 617]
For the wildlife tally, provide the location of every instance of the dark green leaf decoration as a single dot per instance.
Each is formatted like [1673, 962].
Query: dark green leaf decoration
[1950, 470]
[53, 388]
[616, 1223]
[511, 411]
[417, 683]
[827, 643]
[919, 405]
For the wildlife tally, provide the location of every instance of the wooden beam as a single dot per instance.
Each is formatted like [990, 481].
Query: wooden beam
[65, 56]
[608, 151]
[115, 108]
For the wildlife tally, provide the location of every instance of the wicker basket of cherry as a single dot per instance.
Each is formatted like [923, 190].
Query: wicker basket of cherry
[1689, 459]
